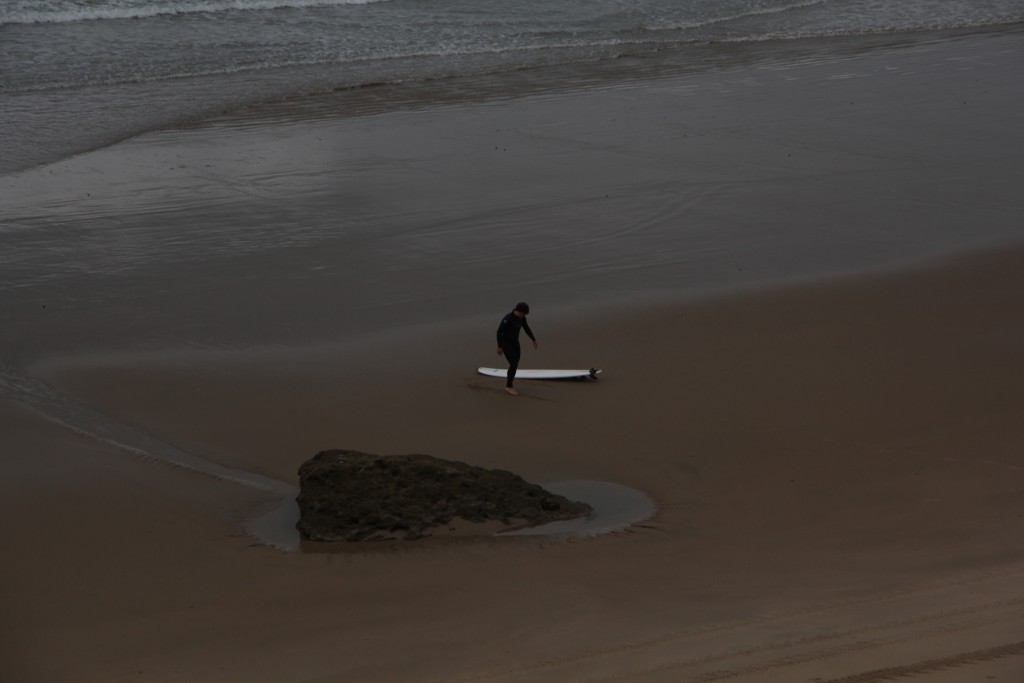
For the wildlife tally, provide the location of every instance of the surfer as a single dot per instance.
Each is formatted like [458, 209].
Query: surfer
[508, 340]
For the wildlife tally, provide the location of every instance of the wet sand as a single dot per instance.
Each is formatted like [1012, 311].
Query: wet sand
[836, 465]
[837, 472]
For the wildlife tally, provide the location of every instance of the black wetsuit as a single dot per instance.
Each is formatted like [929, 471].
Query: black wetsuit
[508, 341]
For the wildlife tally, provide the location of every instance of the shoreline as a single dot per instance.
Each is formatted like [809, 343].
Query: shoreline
[480, 87]
[663, 64]
[354, 227]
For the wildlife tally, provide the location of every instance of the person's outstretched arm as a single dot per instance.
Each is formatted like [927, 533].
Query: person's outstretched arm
[529, 332]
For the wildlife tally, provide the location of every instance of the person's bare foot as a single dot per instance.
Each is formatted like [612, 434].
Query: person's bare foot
[511, 392]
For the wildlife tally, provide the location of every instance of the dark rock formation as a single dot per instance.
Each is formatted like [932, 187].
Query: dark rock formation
[352, 496]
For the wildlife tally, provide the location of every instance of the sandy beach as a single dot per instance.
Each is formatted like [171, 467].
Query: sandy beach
[829, 419]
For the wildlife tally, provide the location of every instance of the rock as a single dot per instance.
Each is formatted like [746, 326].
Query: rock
[351, 496]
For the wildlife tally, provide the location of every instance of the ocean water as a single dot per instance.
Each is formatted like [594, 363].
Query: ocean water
[253, 197]
[191, 234]
[76, 75]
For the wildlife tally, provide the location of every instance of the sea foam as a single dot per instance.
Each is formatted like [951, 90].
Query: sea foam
[30, 13]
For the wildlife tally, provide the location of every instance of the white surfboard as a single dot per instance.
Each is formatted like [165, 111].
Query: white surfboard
[541, 374]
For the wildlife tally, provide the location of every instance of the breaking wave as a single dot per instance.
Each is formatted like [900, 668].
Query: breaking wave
[148, 10]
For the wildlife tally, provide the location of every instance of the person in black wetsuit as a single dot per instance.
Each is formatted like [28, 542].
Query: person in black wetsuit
[508, 340]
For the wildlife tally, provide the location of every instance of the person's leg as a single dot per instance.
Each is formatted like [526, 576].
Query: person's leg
[512, 355]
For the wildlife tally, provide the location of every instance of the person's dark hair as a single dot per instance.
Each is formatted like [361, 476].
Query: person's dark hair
[523, 306]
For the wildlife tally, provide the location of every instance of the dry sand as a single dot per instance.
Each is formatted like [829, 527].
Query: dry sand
[837, 468]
